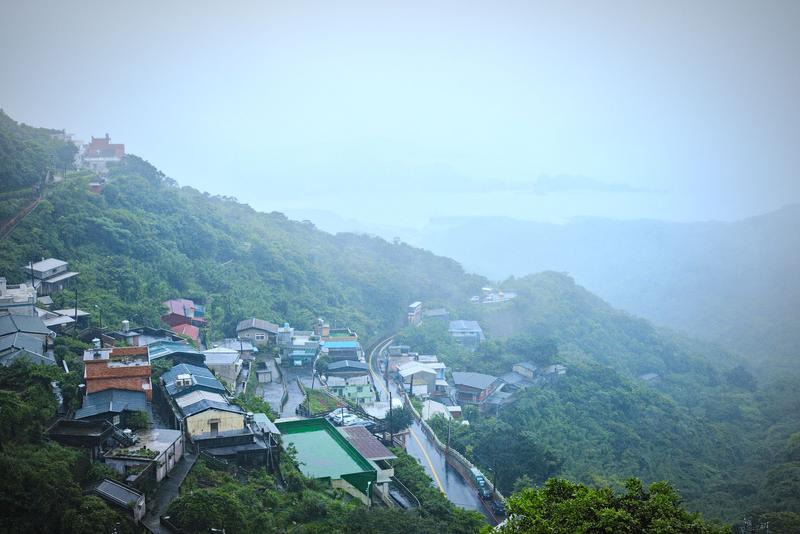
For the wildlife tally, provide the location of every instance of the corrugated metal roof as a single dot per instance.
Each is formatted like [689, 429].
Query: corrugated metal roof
[473, 380]
[161, 349]
[347, 365]
[46, 265]
[465, 326]
[342, 344]
[262, 421]
[204, 405]
[117, 493]
[112, 401]
[21, 340]
[259, 324]
[366, 444]
[28, 324]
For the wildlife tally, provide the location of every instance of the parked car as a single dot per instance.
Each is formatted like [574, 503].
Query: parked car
[357, 421]
[498, 508]
[338, 416]
[480, 483]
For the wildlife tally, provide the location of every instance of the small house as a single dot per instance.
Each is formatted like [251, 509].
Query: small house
[474, 388]
[526, 369]
[49, 275]
[468, 333]
[264, 372]
[153, 456]
[114, 405]
[226, 363]
[122, 497]
[347, 368]
[258, 331]
[183, 311]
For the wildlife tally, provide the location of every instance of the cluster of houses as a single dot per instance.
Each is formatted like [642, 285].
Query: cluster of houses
[28, 324]
[134, 418]
[491, 296]
[141, 424]
[468, 333]
[95, 155]
[425, 376]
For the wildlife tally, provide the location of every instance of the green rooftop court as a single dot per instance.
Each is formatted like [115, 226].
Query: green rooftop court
[323, 453]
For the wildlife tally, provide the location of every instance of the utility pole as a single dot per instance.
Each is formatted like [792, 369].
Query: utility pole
[386, 371]
[494, 476]
[75, 325]
[391, 424]
[447, 447]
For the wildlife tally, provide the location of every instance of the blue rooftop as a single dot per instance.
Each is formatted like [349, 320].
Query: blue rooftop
[201, 377]
[160, 349]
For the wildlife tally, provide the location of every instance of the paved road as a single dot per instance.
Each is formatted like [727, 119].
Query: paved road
[166, 493]
[272, 392]
[290, 375]
[447, 479]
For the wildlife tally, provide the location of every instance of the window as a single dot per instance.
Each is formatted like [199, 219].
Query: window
[260, 337]
[214, 427]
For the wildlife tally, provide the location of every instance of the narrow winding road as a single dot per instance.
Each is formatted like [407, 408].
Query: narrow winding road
[447, 479]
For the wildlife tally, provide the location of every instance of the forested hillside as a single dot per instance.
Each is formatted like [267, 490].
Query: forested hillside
[708, 426]
[735, 284]
[144, 239]
[705, 423]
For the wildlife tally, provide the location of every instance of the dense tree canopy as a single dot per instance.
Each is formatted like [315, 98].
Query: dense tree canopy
[563, 507]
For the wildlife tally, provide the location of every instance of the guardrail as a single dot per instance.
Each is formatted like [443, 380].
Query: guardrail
[452, 456]
[285, 396]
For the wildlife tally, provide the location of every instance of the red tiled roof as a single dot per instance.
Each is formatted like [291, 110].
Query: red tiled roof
[188, 330]
[102, 147]
[129, 351]
[102, 369]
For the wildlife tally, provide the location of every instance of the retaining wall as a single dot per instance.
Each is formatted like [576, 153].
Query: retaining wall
[452, 456]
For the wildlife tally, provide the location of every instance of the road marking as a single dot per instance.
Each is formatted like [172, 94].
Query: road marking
[428, 458]
[377, 380]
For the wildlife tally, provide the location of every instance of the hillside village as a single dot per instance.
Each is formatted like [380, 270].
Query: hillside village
[154, 399]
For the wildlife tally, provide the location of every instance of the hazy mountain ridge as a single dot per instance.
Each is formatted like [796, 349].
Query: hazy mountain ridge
[731, 283]
[144, 239]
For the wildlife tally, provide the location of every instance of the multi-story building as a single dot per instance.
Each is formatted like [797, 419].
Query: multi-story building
[125, 368]
[415, 313]
[100, 152]
[49, 275]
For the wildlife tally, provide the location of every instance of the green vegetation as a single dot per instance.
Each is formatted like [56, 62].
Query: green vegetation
[707, 426]
[249, 402]
[727, 441]
[139, 420]
[319, 402]
[144, 240]
[561, 507]
[27, 154]
[40, 490]
[400, 419]
[211, 498]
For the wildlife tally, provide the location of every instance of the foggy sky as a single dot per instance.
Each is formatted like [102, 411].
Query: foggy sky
[396, 112]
